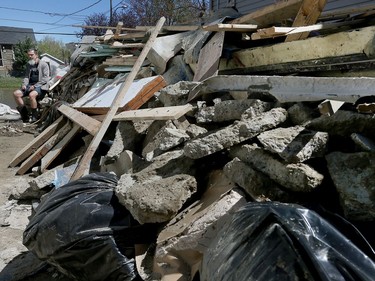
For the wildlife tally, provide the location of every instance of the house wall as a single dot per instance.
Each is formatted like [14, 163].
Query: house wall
[7, 59]
[246, 6]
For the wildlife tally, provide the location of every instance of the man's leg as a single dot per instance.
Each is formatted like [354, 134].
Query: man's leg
[33, 105]
[18, 94]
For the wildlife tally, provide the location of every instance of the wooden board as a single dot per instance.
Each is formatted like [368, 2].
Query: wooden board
[57, 149]
[89, 124]
[84, 164]
[43, 149]
[307, 15]
[209, 57]
[99, 101]
[37, 142]
[159, 113]
[271, 14]
[275, 31]
[230, 27]
[341, 44]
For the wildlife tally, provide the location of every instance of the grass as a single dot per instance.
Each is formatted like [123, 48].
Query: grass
[10, 82]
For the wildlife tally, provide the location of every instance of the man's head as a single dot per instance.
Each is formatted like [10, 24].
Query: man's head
[33, 56]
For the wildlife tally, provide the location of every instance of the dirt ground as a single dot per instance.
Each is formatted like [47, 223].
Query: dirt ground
[14, 136]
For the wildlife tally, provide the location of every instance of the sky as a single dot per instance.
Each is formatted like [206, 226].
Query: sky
[54, 18]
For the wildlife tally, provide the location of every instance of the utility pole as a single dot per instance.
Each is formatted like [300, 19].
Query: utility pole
[110, 12]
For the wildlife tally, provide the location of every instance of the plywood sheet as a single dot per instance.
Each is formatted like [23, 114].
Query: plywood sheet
[99, 100]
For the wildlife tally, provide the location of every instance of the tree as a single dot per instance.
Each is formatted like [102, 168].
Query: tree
[54, 48]
[147, 13]
[20, 55]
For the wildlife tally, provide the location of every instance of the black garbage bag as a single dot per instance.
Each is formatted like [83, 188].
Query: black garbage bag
[275, 241]
[84, 231]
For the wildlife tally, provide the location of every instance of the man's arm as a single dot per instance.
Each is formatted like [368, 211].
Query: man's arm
[44, 75]
[25, 80]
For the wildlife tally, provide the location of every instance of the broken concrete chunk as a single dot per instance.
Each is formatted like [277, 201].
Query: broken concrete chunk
[344, 123]
[353, 175]
[126, 137]
[300, 114]
[176, 94]
[164, 140]
[194, 130]
[157, 192]
[189, 234]
[231, 110]
[156, 200]
[259, 186]
[125, 162]
[295, 177]
[234, 134]
[294, 144]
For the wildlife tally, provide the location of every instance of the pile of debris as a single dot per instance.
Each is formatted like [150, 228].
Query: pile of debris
[193, 143]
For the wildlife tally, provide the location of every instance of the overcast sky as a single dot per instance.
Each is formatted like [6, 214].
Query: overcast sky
[51, 17]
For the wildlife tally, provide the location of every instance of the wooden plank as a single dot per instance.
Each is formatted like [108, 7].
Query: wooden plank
[271, 14]
[118, 28]
[37, 142]
[209, 57]
[230, 27]
[341, 44]
[274, 31]
[84, 164]
[307, 15]
[159, 113]
[89, 124]
[43, 150]
[57, 149]
[145, 94]
[118, 45]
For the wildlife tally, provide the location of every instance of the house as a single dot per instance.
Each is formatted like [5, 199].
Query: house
[247, 6]
[10, 36]
[54, 63]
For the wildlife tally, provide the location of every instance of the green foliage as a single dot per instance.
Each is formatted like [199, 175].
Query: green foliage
[20, 54]
[54, 48]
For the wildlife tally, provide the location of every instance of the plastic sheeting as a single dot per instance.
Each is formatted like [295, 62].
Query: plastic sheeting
[275, 241]
[84, 231]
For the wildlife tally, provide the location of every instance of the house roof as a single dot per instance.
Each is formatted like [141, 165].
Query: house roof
[13, 35]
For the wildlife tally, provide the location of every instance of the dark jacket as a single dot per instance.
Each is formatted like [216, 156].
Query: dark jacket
[44, 75]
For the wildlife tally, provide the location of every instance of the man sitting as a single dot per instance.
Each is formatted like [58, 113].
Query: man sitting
[34, 85]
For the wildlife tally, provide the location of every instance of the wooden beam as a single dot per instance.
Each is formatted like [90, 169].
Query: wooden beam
[37, 142]
[57, 149]
[43, 149]
[84, 164]
[159, 113]
[230, 27]
[308, 14]
[271, 14]
[89, 124]
[341, 44]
